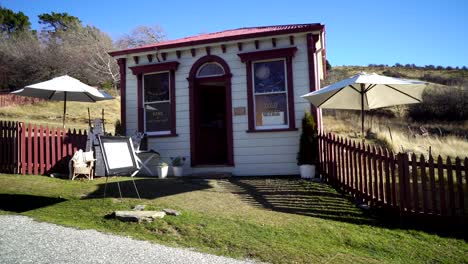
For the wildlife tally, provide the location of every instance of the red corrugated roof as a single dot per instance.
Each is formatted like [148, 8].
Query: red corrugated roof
[226, 35]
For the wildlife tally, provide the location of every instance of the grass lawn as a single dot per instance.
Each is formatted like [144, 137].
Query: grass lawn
[274, 220]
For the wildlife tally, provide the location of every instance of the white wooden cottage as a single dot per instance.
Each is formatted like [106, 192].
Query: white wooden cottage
[229, 101]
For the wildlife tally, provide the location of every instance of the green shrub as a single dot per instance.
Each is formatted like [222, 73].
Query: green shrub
[308, 144]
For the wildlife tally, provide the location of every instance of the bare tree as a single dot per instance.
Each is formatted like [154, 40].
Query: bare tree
[140, 36]
[87, 48]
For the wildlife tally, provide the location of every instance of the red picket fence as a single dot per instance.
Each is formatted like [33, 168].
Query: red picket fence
[7, 99]
[8, 146]
[410, 185]
[32, 149]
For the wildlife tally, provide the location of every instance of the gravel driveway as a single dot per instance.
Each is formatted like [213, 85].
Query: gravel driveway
[23, 240]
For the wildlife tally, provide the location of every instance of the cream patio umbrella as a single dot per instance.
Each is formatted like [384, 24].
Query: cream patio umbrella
[64, 88]
[367, 91]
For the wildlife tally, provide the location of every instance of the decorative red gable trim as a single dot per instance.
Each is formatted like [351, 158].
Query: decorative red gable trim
[257, 45]
[163, 66]
[239, 46]
[178, 54]
[193, 51]
[223, 36]
[273, 42]
[164, 55]
[150, 57]
[208, 50]
[123, 94]
[267, 54]
[135, 59]
[291, 40]
[223, 48]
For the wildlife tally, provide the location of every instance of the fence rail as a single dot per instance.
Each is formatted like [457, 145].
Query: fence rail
[405, 183]
[32, 149]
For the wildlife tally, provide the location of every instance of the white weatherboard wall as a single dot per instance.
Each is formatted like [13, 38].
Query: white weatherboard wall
[265, 153]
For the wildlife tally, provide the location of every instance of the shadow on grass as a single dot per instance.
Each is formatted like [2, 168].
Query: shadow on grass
[148, 188]
[296, 196]
[20, 203]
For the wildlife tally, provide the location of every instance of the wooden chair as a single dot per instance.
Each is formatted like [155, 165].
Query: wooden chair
[82, 164]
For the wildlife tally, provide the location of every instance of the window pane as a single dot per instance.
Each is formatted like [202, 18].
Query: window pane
[156, 87]
[158, 117]
[271, 110]
[269, 76]
[210, 69]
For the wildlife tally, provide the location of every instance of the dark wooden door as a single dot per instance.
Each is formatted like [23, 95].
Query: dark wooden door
[211, 133]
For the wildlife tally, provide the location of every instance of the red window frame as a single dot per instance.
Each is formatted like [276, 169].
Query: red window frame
[139, 71]
[249, 58]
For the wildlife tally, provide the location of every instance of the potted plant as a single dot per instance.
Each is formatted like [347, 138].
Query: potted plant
[308, 147]
[162, 169]
[177, 165]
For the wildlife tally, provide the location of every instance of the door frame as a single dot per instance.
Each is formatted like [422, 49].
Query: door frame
[193, 83]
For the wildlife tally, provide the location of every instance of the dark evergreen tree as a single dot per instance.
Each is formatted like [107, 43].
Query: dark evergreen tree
[308, 144]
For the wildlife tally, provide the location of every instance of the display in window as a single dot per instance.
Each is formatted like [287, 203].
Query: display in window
[269, 76]
[157, 87]
[271, 110]
[158, 117]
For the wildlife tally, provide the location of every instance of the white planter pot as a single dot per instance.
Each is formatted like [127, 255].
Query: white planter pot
[162, 171]
[178, 171]
[307, 171]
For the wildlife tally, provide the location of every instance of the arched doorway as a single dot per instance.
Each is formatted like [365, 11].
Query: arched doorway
[211, 140]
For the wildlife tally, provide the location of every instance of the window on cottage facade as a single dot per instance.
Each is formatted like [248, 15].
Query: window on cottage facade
[270, 94]
[157, 103]
[210, 69]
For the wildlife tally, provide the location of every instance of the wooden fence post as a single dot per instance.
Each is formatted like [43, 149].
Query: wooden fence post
[451, 195]
[440, 170]
[422, 161]
[461, 198]
[414, 173]
[401, 181]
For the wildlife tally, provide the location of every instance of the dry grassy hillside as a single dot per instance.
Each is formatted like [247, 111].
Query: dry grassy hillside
[50, 113]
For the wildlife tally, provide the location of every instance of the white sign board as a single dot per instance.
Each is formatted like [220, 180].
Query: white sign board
[272, 118]
[118, 155]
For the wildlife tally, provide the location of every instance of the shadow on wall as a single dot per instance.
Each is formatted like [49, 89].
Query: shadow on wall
[148, 188]
[20, 203]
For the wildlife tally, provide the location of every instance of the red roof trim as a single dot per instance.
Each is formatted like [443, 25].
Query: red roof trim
[228, 35]
[164, 66]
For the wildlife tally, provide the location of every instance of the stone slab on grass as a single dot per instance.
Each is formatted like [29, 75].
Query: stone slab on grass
[172, 212]
[138, 216]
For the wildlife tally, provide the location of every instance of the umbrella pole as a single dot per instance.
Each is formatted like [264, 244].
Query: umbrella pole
[362, 110]
[64, 108]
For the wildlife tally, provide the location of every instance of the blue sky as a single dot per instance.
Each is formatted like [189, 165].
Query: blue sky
[358, 32]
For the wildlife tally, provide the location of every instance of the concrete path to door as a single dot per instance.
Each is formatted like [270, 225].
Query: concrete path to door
[23, 240]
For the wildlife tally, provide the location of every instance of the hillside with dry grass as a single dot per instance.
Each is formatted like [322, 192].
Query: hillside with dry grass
[438, 126]
[50, 113]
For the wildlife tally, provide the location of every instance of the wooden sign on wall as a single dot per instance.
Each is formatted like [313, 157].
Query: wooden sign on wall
[239, 111]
